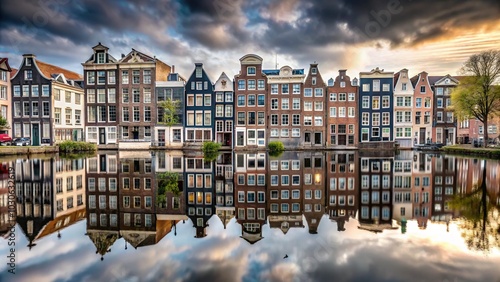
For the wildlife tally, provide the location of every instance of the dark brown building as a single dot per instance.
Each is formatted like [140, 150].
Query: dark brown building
[314, 109]
[284, 93]
[342, 111]
[250, 192]
[313, 187]
[136, 100]
[251, 105]
[285, 201]
[342, 187]
[101, 86]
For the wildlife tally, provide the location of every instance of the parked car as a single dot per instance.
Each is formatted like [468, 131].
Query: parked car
[23, 141]
[5, 139]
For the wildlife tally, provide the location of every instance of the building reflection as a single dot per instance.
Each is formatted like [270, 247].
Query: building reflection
[251, 176]
[5, 220]
[123, 195]
[342, 198]
[50, 195]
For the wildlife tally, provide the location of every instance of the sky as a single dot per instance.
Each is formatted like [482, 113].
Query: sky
[353, 255]
[357, 35]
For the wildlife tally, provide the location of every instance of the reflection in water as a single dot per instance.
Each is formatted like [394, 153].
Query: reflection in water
[123, 196]
[479, 206]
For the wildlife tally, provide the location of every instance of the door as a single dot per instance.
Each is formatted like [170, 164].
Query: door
[307, 137]
[317, 138]
[422, 136]
[102, 135]
[35, 134]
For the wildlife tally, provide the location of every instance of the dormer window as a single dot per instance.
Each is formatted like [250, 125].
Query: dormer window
[28, 75]
[100, 58]
[251, 71]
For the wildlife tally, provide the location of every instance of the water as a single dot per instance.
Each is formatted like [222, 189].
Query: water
[302, 216]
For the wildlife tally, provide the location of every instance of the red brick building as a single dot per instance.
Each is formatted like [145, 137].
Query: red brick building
[342, 110]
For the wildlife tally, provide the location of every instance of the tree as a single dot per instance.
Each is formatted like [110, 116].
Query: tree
[4, 124]
[170, 115]
[476, 95]
[480, 224]
[167, 182]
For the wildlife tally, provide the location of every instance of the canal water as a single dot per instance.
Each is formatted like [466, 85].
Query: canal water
[299, 216]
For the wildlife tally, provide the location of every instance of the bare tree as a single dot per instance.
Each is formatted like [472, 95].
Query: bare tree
[477, 95]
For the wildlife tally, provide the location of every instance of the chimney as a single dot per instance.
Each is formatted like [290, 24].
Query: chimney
[173, 69]
[123, 55]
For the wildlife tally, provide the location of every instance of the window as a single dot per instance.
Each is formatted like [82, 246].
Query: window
[308, 106]
[136, 76]
[251, 100]
[90, 77]
[366, 87]
[146, 76]
[376, 103]
[251, 84]
[308, 92]
[296, 88]
[101, 77]
[241, 84]
[251, 70]
[318, 92]
[285, 104]
[34, 110]
[308, 120]
[46, 109]
[260, 84]
[333, 97]
[366, 102]
[241, 100]
[284, 89]
[261, 100]
[101, 95]
[376, 85]
[125, 77]
[351, 97]
[385, 87]
[385, 102]
[318, 106]
[17, 90]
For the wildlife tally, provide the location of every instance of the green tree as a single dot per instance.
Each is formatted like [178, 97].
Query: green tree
[4, 124]
[170, 115]
[476, 95]
[167, 182]
[210, 150]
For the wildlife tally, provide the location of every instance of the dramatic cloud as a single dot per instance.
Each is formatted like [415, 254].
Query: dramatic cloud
[336, 34]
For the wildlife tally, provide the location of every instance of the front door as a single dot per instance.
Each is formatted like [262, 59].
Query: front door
[102, 135]
[422, 136]
[35, 134]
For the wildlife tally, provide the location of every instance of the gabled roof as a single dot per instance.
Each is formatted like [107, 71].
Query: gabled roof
[13, 72]
[4, 64]
[49, 70]
[433, 79]
[396, 77]
[224, 83]
[136, 56]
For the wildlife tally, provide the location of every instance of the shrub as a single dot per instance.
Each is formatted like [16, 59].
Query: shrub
[69, 146]
[210, 150]
[275, 148]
